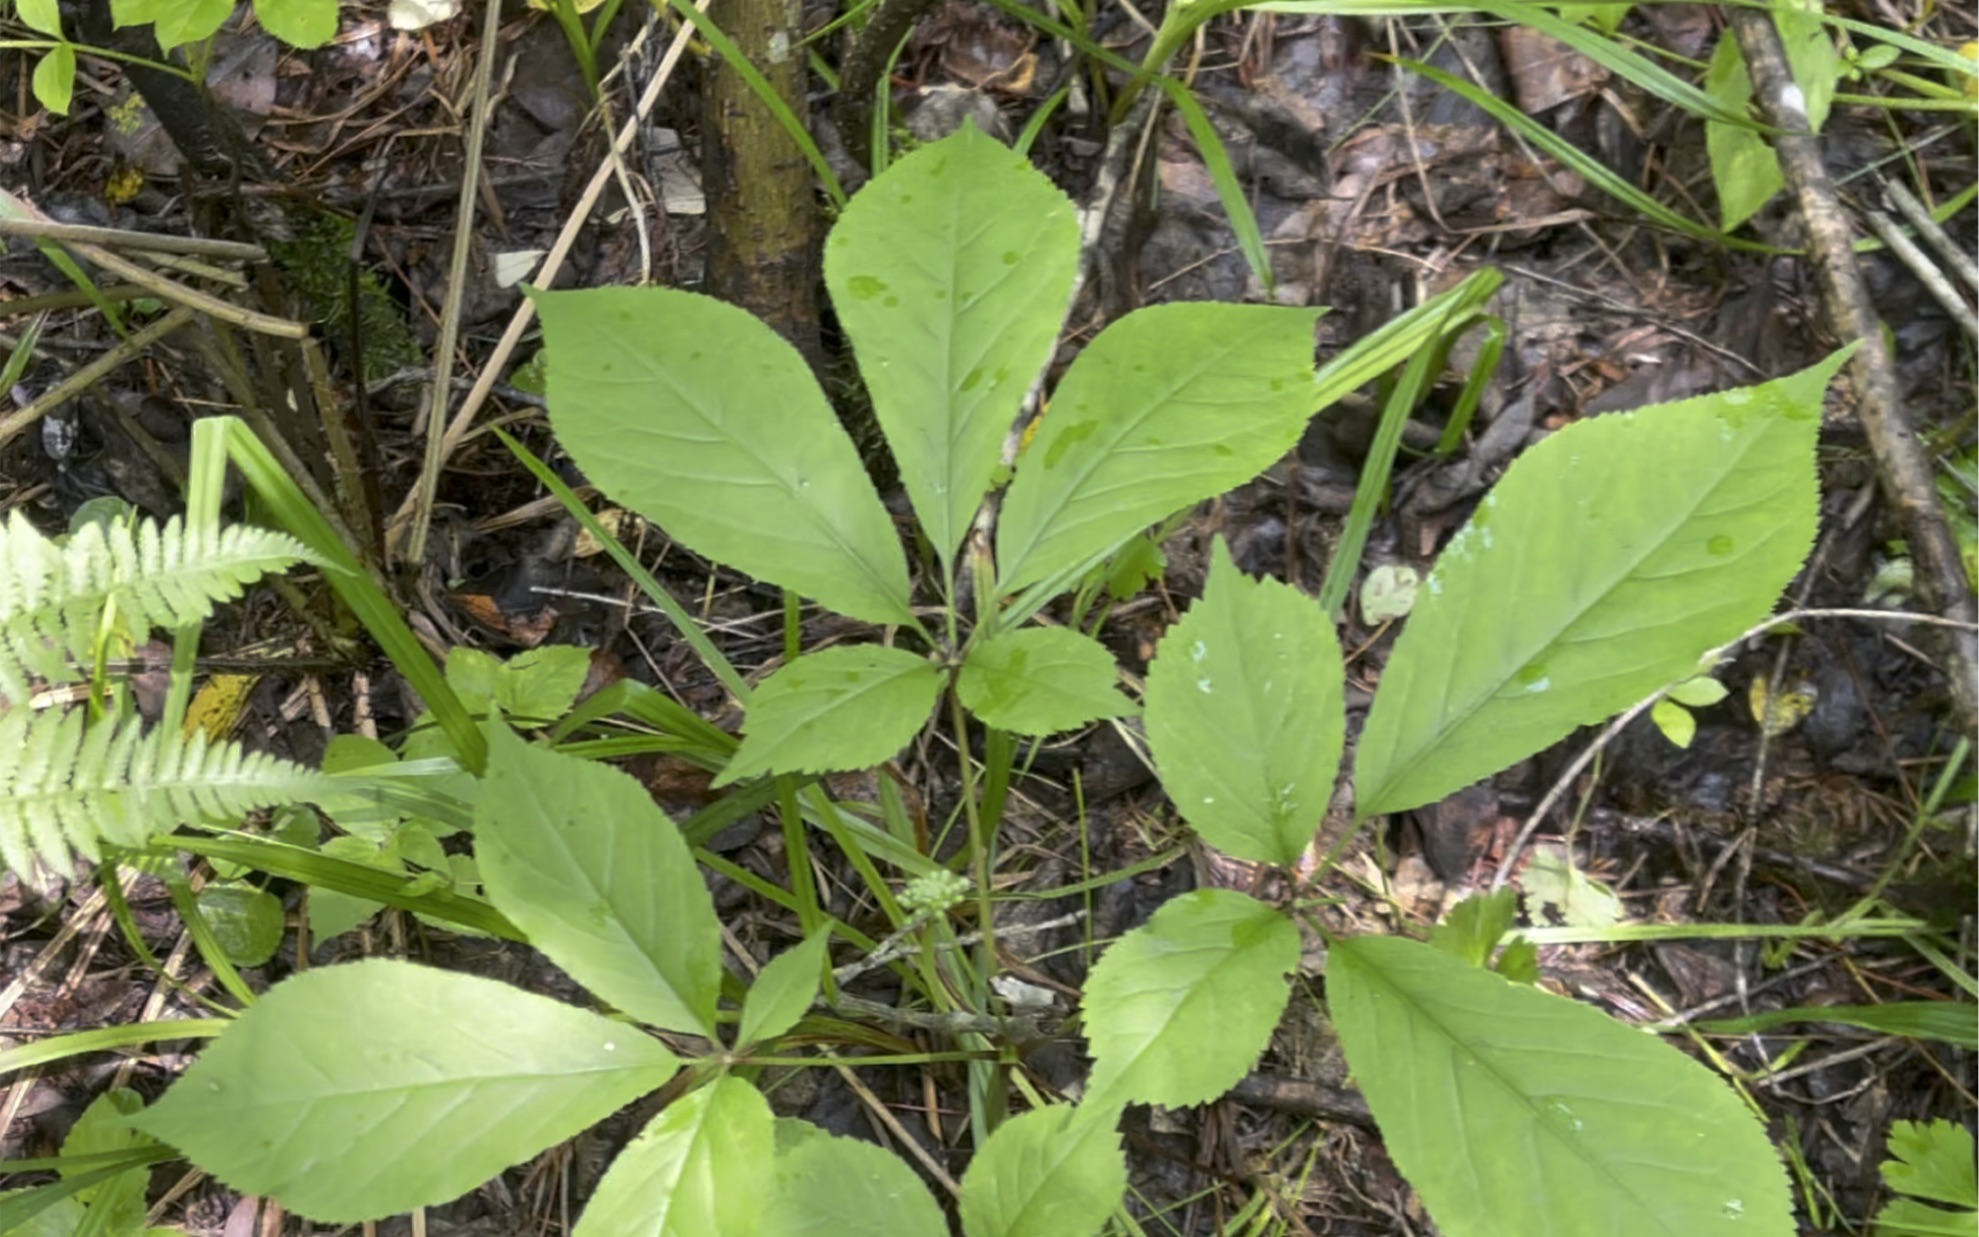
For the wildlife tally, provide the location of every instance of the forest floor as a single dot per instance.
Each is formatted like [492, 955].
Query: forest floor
[1374, 189]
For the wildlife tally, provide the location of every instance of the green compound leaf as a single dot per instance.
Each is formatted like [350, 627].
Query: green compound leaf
[699, 1169]
[1245, 714]
[844, 708]
[1511, 1110]
[1608, 559]
[299, 23]
[1179, 1009]
[1040, 680]
[578, 856]
[697, 416]
[783, 992]
[1171, 405]
[841, 1187]
[1052, 1172]
[355, 1092]
[951, 272]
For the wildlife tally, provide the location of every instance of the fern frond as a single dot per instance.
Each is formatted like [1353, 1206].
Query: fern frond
[66, 786]
[53, 598]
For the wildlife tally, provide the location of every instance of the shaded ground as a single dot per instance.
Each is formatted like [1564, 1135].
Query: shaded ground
[1374, 191]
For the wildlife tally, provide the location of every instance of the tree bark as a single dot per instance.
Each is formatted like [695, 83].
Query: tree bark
[762, 208]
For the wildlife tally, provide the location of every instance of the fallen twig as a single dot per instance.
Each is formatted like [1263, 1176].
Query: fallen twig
[1901, 463]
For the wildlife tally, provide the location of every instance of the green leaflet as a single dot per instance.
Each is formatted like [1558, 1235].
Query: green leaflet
[1171, 405]
[951, 275]
[782, 993]
[1040, 680]
[578, 856]
[1245, 714]
[1512, 1110]
[1179, 1009]
[699, 1169]
[1929, 1160]
[1604, 564]
[299, 23]
[844, 708]
[1052, 1172]
[421, 1084]
[841, 1187]
[702, 419]
[66, 786]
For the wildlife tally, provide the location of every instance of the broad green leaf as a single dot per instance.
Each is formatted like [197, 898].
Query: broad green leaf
[841, 1187]
[40, 16]
[1950, 1022]
[1608, 559]
[1700, 692]
[1906, 1217]
[844, 708]
[1511, 1110]
[105, 1126]
[579, 857]
[699, 1169]
[951, 272]
[62, 1217]
[1171, 405]
[1743, 166]
[784, 990]
[539, 685]
[1474, 926]
[1678, 724]
[299, 23]
[249, 923]
[359, 1091]
[1040, 680]
[1557, 891]
[702, 419]
[55, 78]
[179, 22]
[1246, 715]
[1179, 1010]
[1931, 1160]
[1052, 1172]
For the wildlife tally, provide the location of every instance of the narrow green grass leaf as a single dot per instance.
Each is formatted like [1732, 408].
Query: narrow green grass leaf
[1216, 161]
[1511, 1110]
[1179, 1010]
[843, 708]
[700, 1169]
[702, 419]
[951, 273]
[579, 857]
[1052, 1172]
[1245, 714]
[1040, 680]
[1950, 1022]
[1604, 564]
[356, 1092]
[842, 1187]
[1171, 405]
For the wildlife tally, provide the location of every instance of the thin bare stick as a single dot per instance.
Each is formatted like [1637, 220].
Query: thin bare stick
[120, 238]
[434, 414]
[525, 313]
[1902, 465]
